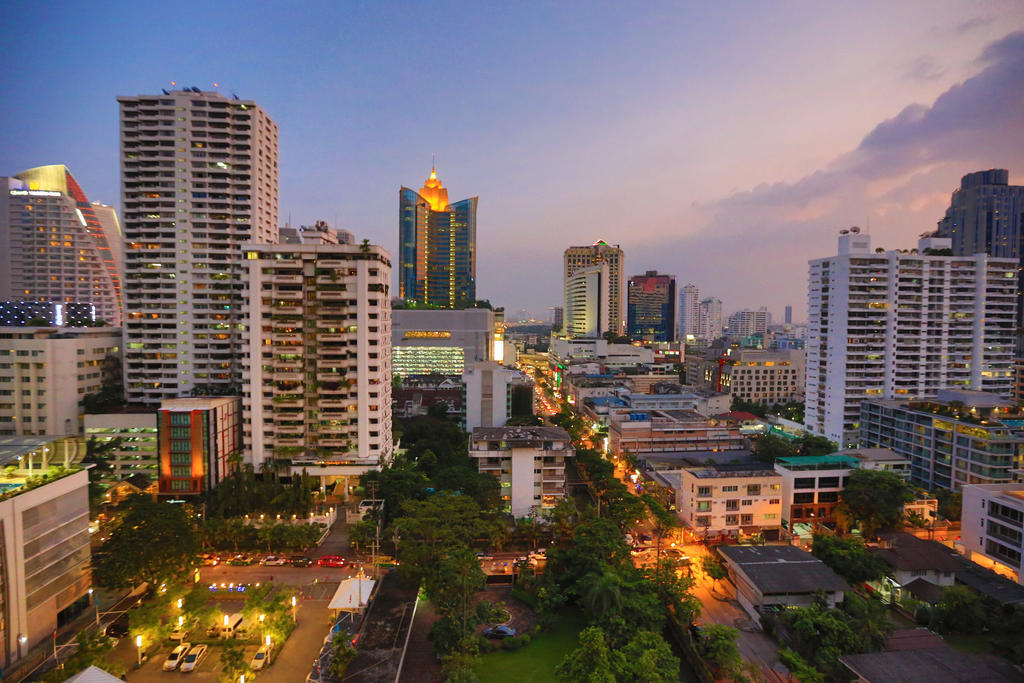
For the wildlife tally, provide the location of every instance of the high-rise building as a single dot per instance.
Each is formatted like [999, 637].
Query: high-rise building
[986, 215]
[46, 371]
[557, 318]
[709, 319]
[789, 315]
[54, 247]
[689, 311]
[651, 307]
[600, 252]
[198, 180]
[900, 324]
[749, 322]
[318, 386]
[437, 246]
[587, 295]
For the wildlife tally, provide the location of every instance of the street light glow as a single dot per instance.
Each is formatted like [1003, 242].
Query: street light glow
[138, 641]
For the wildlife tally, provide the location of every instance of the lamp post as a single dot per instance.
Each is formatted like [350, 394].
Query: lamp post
[295, 614]
[138, 649]
[96, 604]
[22, 641]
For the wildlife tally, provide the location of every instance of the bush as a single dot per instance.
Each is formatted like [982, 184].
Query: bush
[923, 615]
[515, 642]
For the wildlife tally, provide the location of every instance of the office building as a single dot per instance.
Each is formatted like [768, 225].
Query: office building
[587, 302]
[730, 500]
[493, 394]
[21, 313]
[601, 252]
[436, 246]
[529, 462]
[748, 323]
[689, 312]
[53, 245]
[951, 439]
[318, 390]
[671, 431]
[992, 527]
[789, 315]
[132, 436]
[444, 342]
[709, 319]
[764, 377]
[44, 542]
[557, 318]
[198, 180]
[45, 372]
[898, 324]
[651, 307]
[199, 441]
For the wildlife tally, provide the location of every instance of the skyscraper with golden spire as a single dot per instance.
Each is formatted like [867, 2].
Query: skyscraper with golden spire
[437, 246]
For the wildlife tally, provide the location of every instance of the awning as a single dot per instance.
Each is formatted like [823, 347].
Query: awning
[352, 594]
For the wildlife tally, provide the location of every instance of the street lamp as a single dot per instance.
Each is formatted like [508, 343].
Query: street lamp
[295, 616]
[138, 648]
[96, 603]
[179, 603]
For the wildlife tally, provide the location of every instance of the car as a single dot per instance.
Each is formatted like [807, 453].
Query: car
[273, 561]
[300, 561]
[484, 556]
[240, 561]
[174, 659]
[646, 538]
[261, 658]
[192, 659]
[499, 632]
[179, 635]
[118, 628]
[331, 561]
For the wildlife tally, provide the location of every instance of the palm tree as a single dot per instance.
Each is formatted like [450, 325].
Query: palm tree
[604, 591]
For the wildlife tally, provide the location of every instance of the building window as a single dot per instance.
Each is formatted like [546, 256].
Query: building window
[704, 491]
[746, 520]
[731, 520]
[753, 489]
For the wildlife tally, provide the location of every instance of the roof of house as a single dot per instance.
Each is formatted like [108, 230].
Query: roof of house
[907, 552]
[775, 569]
[986, 582]
[915, 639]
[926, 666]
[138, 480]
[925, 590]
[93, 674]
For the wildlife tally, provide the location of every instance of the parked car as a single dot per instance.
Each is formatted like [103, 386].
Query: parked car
[240, 561]
[192, 659]
[179, 635]
[273, 561]
[300, 561]
[484, 556]
[261, 658]
[177, 655]
[331, 561]
[499, 632]
[118, 628]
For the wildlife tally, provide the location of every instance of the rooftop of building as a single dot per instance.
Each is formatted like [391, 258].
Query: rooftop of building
[927, 665]
[783, 569]
[871, 454]
[520, 434]
[732, 470]
[31, 461]
[906, 552]
[198, 403]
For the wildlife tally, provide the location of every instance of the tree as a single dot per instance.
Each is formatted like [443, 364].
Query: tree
[232, 660]
[849, 558]
[591, 662]
[809, 445]
[154, 543]
[647, 657]
[869, 621]
[874, 500]
[719, 649]
[950, 504]
[713, 568]
[603, 591]
[673, 591]
[821, 636]
[798, 666]
[769, 448]
[959, 611]
[94, 649]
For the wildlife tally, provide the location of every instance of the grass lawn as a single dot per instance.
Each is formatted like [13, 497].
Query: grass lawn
[536, 661]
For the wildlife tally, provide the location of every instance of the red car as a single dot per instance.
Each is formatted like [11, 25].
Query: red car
[331, 561]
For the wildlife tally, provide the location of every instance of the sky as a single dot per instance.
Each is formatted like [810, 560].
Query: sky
[726, 143]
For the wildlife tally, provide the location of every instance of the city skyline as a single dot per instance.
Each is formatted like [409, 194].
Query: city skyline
[879, 142]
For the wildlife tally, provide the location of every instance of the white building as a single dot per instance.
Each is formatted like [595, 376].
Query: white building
[488, 398]
[749, 322]
[318, 386]
[709, 319]
[440, 341]
[992, 529]
[529, 462]
[689, 312]
[44, 541]
[55, 245]
[134, 435]
[198, 180]
[727, 500]
[900, 324]
[587, 304]
[45, 372]
[599, 253]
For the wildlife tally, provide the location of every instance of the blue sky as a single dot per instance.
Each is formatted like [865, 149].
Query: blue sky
[723, 142]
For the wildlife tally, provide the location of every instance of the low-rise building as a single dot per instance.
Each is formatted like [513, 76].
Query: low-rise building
[445, 341]
[493, 393]
[44, 540]
[730, 500]
[779, 576]
[952, 439]
[992, 528]
[913, 560]
[764, 377]
[529, 463]
[671, 431]
[198, 441]
[131, 437]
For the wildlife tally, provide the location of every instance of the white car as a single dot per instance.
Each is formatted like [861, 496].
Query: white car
[273, 561]
[261, 658]
[174, 659]
[192, 659]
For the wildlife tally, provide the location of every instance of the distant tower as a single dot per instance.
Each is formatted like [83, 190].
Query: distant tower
[436, 246]
[576, 258]
[689, 311]
[651, 307]
[789, 315]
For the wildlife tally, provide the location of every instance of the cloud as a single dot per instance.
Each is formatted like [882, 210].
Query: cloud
[971, 24]
[898, 179]
[924, 68]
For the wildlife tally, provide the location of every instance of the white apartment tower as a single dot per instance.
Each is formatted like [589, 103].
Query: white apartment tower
[749, 322]
[587, 302]
[689, 312]
[709, 319]
[318, 384]
[902, 324]
[599, 253]
[198, 180]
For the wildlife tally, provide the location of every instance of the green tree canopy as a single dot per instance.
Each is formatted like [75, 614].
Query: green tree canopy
[849, 557]
[591, 662]
[873, 499]
[769, 448]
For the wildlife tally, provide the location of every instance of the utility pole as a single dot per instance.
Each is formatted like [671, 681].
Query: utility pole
[376, 535]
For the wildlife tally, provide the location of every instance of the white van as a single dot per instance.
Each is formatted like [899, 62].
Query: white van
[230, 629]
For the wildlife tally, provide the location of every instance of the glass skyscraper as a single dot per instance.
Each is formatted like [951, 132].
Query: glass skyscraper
[650, 309]
[437, 246]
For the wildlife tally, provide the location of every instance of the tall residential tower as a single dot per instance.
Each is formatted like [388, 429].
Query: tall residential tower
[436, 246]
[689, 311]
[600, 252]
[198, 179]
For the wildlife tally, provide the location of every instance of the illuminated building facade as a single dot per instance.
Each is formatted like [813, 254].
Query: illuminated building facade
[198, 440]
[689, 311]
[651, 307]
[317, 392]
[900, 324]
[576, 258]
[587, 305]
[437, 246]
[54, 247]
[443, 342]
[198, 180]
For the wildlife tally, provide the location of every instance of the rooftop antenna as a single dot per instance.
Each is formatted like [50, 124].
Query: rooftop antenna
[433, 161]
